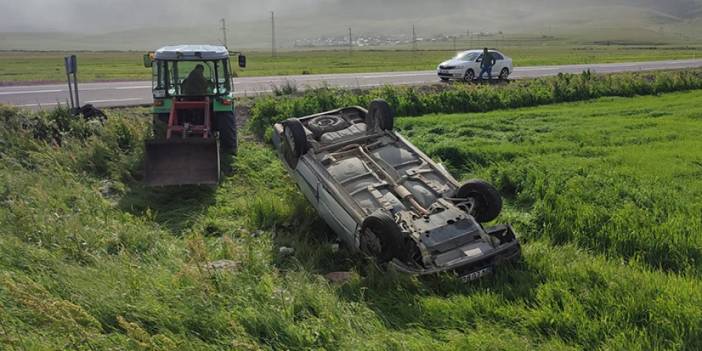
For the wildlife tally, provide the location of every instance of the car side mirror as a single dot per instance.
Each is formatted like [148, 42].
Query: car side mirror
[242, 61]
[479, 60]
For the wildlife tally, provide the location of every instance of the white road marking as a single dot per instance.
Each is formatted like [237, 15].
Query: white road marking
[418, 74]
[30, 92]
[115, 100]
[134, 87]
[42, 104]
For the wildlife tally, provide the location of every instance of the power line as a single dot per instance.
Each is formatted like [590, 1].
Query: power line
[273, 49]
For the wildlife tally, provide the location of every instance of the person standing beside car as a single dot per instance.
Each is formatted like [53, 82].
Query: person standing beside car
[486, 64]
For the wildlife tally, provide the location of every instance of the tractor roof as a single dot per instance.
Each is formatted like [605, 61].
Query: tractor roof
[192, 52]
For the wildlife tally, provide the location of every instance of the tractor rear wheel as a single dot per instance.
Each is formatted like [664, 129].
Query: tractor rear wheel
[225, 123]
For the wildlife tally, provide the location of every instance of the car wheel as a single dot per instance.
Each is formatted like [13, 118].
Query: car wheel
[327, 123]
[225, 124]
[295, 141]
[469, 76]
[504, 74]
[381, 238]
[487, 202]
[380, 116]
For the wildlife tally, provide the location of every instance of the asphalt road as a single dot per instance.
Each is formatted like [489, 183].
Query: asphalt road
[138, 93]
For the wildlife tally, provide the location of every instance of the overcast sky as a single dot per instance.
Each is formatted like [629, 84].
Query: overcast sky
[115, 15]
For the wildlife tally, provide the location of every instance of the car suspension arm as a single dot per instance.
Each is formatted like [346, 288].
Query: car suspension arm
[399, 189]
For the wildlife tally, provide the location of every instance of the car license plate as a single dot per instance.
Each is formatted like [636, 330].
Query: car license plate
[443, 71]
[477, 274]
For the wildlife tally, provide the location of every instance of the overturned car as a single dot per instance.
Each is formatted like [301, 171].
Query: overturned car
[386, 198]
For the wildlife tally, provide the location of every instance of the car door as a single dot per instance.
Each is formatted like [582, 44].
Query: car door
[477, 64]
[499, 62]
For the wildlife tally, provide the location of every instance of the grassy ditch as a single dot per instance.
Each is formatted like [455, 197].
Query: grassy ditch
[602, 193]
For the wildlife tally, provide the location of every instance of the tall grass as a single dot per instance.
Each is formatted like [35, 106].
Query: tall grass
[620, 177]
[456, 98]
[92, 260]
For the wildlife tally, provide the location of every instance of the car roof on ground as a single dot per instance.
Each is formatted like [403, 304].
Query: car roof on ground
[192, 52]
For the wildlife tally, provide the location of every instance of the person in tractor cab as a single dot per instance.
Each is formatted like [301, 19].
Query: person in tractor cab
[486, 64]
[196, 84]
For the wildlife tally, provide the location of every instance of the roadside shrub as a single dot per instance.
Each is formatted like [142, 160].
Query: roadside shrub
[457, 98]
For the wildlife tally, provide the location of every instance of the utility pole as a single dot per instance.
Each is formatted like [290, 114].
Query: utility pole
[273, 49]
[224, 32]
[350, 41]
[454, 43]
[414, 39]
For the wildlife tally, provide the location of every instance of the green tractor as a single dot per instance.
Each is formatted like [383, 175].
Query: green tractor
[193, 114]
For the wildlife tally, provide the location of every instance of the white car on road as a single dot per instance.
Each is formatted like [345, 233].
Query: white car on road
[466, 66]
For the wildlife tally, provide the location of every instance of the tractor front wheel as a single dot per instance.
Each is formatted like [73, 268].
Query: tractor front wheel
[225, 123]
[160, 125]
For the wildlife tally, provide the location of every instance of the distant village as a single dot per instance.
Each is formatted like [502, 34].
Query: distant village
[365, 40]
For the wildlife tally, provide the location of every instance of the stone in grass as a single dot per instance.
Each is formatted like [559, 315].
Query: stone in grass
[222, 265]
[286, 251]
[339, 277]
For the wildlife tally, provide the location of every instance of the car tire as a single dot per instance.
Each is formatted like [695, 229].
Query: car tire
[469, 76]
[225, 124]
[380, 116]
[504, 74]
[160, 125]
[295, 141]
[487, 200]
[381, 238]
[325, 124]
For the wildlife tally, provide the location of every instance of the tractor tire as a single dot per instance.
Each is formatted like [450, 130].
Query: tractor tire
[160, 125]
[382, 239]
[295, 141]
[225, 124]
[380, 116]
[325, 124]
[488, 202]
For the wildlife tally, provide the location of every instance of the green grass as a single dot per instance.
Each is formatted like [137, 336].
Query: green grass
[619, 177]
[604, 195]
[100, 66]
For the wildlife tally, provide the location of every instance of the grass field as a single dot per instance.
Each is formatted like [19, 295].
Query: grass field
[99, 66]
[604, 194]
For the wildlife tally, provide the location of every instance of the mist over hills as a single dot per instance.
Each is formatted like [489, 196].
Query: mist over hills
[138, 25]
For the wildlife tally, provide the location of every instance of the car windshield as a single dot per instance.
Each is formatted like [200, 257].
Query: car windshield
[192, 78]
[467, 56]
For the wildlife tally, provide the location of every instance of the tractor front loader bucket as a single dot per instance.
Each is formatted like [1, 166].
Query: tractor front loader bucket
[189, 161]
